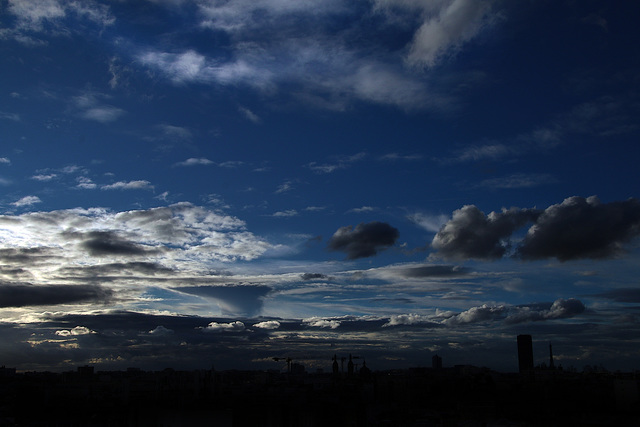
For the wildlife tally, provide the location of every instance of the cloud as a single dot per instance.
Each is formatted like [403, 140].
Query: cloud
[446, 27]
[43, 177]
[9, 116]
[225, 327]
[286, 214]
[285, 187]
[410, 319]
[161, 331]
[4, 160]
[269, 325]
[325, 65]
[90, 106]
[519, 180]
[106, 243]
[194, 161]
[23, 295]
[129, 185]
[78, 330]
[577, 228]
[627, 295]
[341, 163]
[250, 115]
[85, 183]
[314, 276]
[182, 234]
[429, 222]
[559, 309]
[54, 18]
[321, 323]
[581, 228]
[470, 234]
[433, 271]
[365, 240]
[175, 132]
[27, 201]
[240, 300]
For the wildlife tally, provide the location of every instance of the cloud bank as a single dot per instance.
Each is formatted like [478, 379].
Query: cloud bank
[577, 228]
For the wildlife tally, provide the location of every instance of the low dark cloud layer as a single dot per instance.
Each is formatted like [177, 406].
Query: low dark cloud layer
[629, 295]
[364, 240]
[22, 295]
[577, 228]
[470, 234]
[582, 228]
[103, 243]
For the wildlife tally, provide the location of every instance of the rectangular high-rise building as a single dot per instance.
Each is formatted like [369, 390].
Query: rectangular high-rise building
[525, 353]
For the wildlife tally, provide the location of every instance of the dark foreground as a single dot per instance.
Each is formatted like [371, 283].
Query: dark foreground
[461, 396]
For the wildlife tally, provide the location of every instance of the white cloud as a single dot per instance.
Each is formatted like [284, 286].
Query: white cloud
[129, 185]
[91, 107]
[225, 327]
[432, 223]
[250, 115]
[284, 187]
[27, 201]
[85, 183]
[194, 162]
[321, 323]
[5, 161]
[175, 132]
[286, 214]
[10, 116]
[160, 331]
[407, 319]
[269, 324]
[78, 330]
[43, 177]
[181, 236]
[457, 22]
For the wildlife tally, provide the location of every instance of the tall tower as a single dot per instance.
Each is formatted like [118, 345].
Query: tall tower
[436, 362]
[551, 365]
[525, 354]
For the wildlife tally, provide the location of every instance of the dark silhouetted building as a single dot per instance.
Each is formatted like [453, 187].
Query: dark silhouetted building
[436, 362]
[525, 354]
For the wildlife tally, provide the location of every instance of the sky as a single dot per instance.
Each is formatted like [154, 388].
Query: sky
[210, 183]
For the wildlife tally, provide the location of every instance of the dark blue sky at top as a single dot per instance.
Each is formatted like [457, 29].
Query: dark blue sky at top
[306, 162]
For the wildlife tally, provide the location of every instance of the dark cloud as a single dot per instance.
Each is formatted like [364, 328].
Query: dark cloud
[559, 309]
[577, 228]
[630, 295]
[434, 271]
[24, 255]
[363, 241]
[122, 268]
[22, 295]
[104, 243]
[582, 228]
[470, 234]
[240, 300]
[314, 276]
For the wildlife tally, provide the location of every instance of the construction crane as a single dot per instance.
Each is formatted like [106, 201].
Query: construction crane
[287, 359]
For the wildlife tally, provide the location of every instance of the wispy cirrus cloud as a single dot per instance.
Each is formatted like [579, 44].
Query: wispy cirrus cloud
[328, 69]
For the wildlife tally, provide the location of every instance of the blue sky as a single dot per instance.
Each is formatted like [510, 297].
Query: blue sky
[190, 183]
